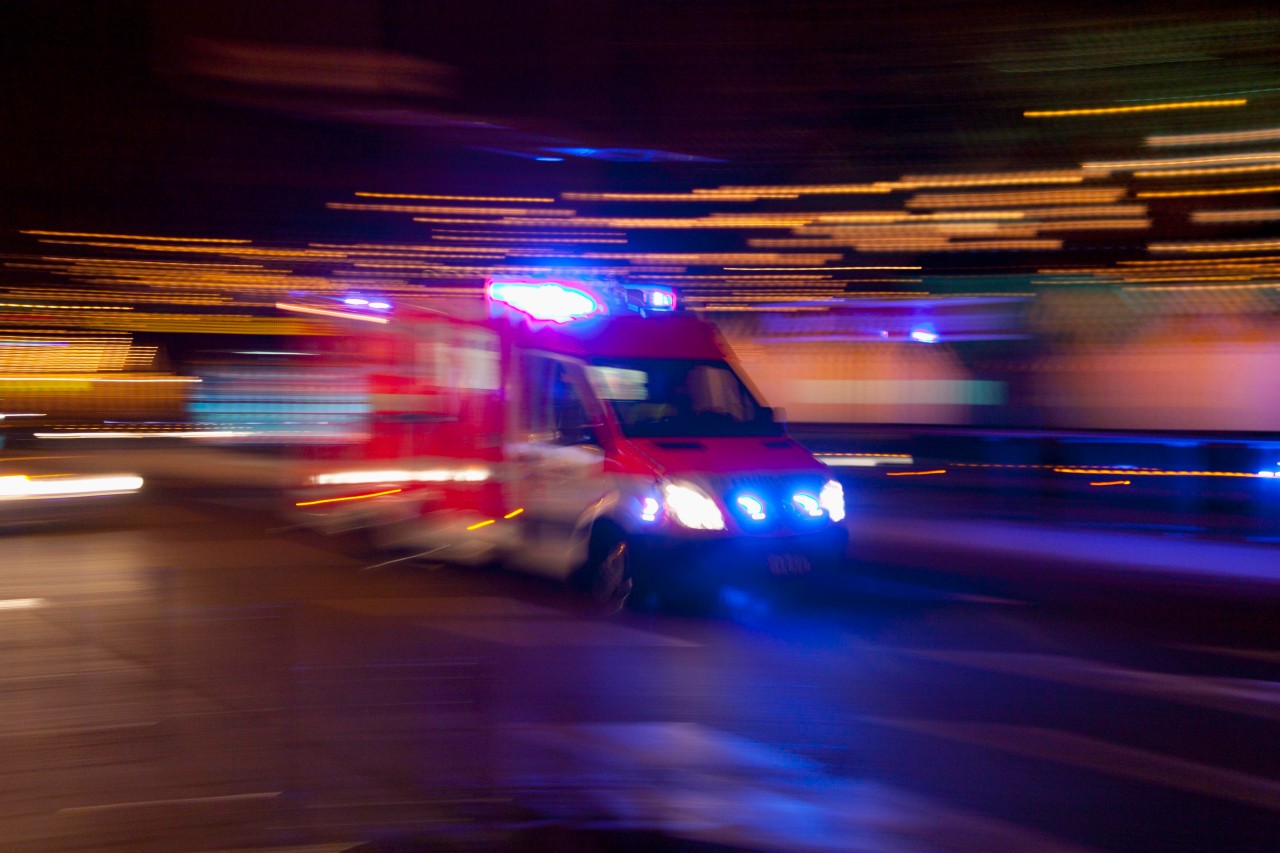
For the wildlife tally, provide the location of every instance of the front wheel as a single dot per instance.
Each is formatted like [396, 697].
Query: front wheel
[608, 578]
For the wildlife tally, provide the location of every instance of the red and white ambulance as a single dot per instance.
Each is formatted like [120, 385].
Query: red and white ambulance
[577, 430]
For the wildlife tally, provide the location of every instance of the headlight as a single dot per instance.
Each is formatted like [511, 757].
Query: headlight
[831, 498]
[807, 505]
[691, 506]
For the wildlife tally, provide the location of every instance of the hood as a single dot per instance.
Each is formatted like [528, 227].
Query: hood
[756, 455]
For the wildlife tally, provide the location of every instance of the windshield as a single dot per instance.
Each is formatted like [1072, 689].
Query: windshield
[665, 397]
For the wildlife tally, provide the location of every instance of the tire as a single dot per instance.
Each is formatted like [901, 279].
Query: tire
[607, 578]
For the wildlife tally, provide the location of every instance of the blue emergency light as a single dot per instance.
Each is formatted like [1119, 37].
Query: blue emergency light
[364, 302]
[554, 301]
[658, 297]
[925, 333]
[367, 309]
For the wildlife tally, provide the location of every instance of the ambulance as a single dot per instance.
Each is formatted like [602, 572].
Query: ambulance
[580, 430]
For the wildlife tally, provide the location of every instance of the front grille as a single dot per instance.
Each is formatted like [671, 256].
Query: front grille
[775, 492]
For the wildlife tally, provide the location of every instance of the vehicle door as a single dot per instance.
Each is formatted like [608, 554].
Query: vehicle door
[559, 461]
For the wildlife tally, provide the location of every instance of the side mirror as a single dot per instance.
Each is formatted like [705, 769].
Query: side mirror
[773, 415]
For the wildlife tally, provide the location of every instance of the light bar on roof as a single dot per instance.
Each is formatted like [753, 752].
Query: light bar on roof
[657, 297]
[661, 300]
[554, 301]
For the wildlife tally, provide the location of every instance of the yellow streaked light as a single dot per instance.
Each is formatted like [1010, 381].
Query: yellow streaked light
[95, 379]
[643, 197]
[1270, 188]
[911, 182]
[914, 473]
[1098, 195]
[1184, 194]
[133, 237]
[484, 523]
[1233, 262]
[325, 312]
[458, 211]
[1180, 162]
[1221, 138]
[791, 191]
[1111, 483]
[1152, 472]
[514, 513]
[1263, 214]
[1094, 224]
[348, 498]
[1139, 108]
[1100, 210]
[791, 269]
[1194, 173]
[1183, 288]
[516, 199]
[66, 307]
[1218, 246]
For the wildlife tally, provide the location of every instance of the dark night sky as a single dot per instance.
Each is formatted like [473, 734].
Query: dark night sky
[106, 123]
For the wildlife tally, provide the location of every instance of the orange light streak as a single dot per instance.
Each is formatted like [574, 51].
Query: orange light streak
[1153, 472]
[1221, 138]
[1218, 246]
[349, 498]
[1098, 195]
[133, 237]
[1270, 188]
[1192, 173]
[460, 211]
[515, 199]
[1142, 108]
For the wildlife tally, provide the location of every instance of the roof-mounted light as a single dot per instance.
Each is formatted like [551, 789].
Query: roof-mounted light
[554, 301]
[662, 300]
[925, 334]
[647, 298]
[374, 304]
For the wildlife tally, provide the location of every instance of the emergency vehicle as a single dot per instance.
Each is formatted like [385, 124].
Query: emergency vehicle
[579, 430]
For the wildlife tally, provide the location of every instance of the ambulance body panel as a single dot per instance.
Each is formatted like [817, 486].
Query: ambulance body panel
[608, 438]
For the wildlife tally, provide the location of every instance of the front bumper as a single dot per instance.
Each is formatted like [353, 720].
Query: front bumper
[702, 562]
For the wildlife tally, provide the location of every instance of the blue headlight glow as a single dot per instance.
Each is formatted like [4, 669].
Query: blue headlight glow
[807, 504]
[649, 508]
[752, 506]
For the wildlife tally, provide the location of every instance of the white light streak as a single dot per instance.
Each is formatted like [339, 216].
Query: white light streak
[15, 487]
[429, 475]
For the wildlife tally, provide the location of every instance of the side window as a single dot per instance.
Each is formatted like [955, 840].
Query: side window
[573, 423]
[558, 412]
[537, 390]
